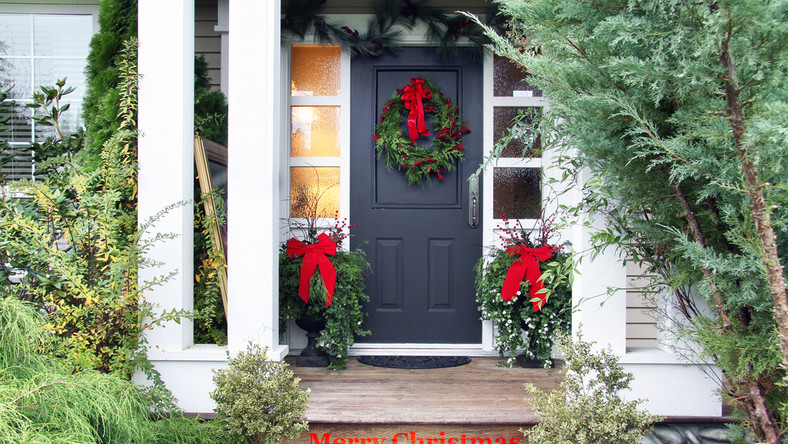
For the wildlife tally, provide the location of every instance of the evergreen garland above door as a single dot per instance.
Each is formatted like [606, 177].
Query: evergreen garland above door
[305, 18]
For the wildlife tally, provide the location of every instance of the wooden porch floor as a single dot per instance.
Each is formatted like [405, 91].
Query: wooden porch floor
[478, 393]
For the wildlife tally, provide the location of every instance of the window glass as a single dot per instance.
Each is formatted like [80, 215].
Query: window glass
[17, 73]
[314, 191]
[15, 36]
[62, 35]
[314, 131]
[509, 80]
[517, 193]
[502, 121]
[36, 50]
[315, 70]
[48, 71]
[18, 127]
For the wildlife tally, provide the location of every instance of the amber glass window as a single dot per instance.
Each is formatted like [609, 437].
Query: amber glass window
[315, 131]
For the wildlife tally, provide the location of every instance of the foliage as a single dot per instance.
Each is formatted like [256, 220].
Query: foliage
[41, 401]
[512, 317]
[259, 399]
[588, 409]
[210, 322]
[678, 111]
[343, 317]
[76, 250]
[101, 107]
[210, 107]
[418, 162]
[304, 18]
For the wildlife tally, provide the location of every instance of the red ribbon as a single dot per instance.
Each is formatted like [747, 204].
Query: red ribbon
[314, 257]
[412, 95]
[526, 267]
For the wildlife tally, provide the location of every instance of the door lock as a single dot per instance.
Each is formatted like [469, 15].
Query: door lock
[473, 201]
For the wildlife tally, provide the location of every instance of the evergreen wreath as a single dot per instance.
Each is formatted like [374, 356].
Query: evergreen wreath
[401, 151]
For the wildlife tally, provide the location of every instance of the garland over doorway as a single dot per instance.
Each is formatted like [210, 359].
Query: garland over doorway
[304, 18]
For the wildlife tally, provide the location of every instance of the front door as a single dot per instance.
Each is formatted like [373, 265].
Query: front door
[418, 239]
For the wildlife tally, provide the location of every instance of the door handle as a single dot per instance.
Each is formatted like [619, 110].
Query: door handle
[473, 201]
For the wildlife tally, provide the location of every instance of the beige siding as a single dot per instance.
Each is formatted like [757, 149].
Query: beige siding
[207, 41]
[641, 309]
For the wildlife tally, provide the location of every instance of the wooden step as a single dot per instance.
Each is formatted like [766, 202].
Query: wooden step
[477, 403]
[479, 393]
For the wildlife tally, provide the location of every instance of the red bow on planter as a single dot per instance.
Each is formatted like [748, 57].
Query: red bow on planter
[314, 257]
[526, 267]
[412, 95]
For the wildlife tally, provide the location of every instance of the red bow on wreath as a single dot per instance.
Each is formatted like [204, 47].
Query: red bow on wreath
[412, 95]
[314, 257]
[526, 267]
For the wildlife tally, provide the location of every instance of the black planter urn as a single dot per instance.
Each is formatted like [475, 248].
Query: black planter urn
[311, 356]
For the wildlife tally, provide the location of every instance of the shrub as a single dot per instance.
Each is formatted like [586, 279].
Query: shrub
[589, 408]
[42, 401]
[259, 399]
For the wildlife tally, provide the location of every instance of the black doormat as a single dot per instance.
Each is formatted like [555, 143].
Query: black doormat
[414, 362]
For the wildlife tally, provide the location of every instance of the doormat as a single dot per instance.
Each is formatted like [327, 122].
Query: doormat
[414, 362]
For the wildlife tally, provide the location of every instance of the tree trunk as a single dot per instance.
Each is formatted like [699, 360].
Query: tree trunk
[760, 212]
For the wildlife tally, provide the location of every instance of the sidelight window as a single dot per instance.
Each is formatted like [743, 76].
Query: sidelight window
[516, 178]
[318, 134]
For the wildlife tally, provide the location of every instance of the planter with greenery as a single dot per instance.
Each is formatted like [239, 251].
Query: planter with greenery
[339, 309]
[521, 301]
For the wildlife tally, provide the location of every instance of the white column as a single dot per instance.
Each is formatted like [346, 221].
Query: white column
[166, 159]
[599, 291]
[253, 175]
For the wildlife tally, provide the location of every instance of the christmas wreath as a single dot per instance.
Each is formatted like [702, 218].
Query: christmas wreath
[419, 97]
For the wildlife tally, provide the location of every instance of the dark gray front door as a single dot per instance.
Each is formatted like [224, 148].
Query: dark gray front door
[418, 239]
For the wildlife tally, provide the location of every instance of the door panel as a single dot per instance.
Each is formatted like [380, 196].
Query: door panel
[417, 238]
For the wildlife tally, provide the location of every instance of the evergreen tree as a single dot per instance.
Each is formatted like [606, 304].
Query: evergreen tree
[679, 110]
[117, 23]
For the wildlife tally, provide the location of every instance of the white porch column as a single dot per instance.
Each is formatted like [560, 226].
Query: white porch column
[599, 291]
[166, 159]
[253, 175]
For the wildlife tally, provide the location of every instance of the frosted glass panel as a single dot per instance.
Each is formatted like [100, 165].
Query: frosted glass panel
[15, 34]
[510, 80]
[314, 191]
[517, 193]
[315, 70]
[63, 35]
[314, 131]
[502, 121]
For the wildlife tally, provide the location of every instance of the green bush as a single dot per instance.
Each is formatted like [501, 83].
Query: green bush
[589, 408]
[41, 401]
[259, 399]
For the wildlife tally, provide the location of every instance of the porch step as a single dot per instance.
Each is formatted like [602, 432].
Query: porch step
[477, 401]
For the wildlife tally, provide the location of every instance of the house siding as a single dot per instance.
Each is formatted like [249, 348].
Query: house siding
[641, 309]
[207, 42]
